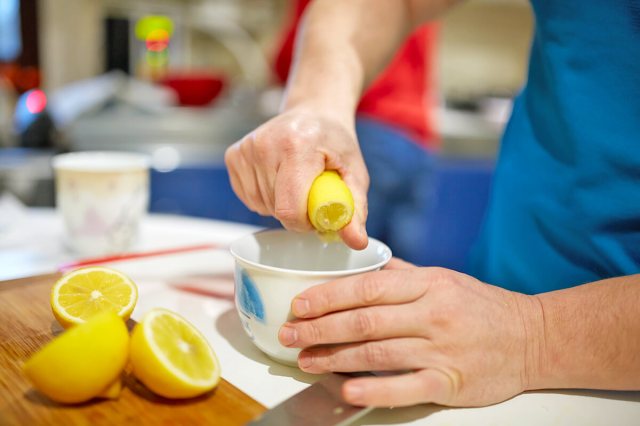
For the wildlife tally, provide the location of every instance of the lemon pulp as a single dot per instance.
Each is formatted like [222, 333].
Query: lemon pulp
[171, 357]
[82, 293]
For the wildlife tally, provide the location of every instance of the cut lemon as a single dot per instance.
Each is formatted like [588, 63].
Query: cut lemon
[83, 362]
[82, 293]
[112, 391]
[330, 203]
[171, 357]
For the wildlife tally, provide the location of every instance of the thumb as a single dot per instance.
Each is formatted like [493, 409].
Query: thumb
[355, 233]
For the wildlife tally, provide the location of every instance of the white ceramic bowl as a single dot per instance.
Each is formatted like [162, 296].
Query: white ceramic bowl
[274, 266]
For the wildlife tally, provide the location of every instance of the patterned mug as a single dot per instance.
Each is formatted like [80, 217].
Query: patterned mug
[102, 197]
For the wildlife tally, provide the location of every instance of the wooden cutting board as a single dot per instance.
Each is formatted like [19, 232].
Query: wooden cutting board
[26, 324]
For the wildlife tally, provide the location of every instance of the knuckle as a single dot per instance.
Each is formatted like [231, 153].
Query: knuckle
[324, 359]
[291, 144]
[262, 146]
[321, 300]
[425, 385]
[246, 147]
[375, 354]
[442, 276]
[439, 385]
[307, 126]
[438, 274]
[312, 333]
[230, 155]
[364, 324]
[286, 215]
[371, 289]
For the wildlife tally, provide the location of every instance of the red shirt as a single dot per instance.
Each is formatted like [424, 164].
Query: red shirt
[403, 95]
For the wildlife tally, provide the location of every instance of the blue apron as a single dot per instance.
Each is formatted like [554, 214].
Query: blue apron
[565, 206]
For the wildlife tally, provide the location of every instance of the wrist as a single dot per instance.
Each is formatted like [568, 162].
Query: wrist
[329, 88]
[337, 109]
[535, 371]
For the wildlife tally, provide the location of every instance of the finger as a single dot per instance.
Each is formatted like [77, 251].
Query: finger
[266, 189]
[429, 385]
[249, 179]
[252, 186]
[293, 182]
[371, 288]
[355, 233]
[397, 263]
[265, 169]
[241, 176]
[408, 353]
[354, 325]
[232, 161]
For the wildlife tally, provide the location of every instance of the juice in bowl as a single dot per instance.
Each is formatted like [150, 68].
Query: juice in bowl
[273, 266]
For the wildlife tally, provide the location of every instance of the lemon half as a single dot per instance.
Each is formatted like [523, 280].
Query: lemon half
[330, 203]
[171, 357]
[82, 293]
[83, 362]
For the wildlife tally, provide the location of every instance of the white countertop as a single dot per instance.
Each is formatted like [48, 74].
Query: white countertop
[199, 286]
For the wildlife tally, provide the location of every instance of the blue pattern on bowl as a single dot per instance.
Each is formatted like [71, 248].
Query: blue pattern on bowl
[248, 298]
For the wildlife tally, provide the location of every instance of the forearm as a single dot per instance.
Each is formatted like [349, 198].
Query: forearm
[589, 336]
[342, 45]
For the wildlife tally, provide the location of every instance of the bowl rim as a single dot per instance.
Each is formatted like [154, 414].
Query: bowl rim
[303, 272]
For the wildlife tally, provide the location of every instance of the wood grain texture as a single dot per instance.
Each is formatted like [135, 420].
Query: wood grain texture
[26, 323]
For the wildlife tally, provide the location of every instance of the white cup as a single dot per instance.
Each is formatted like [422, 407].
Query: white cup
[272, 267]
[102, 197]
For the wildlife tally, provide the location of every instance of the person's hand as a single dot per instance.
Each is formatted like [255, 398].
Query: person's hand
[459, 341]
[272, 169]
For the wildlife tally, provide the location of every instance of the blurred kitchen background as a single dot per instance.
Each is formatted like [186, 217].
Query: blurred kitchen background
[181, 80]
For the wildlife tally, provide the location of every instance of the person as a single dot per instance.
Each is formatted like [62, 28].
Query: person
[553, 299]
[397, 135]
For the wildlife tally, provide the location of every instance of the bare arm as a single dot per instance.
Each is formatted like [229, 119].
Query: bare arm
[341, 47]
[583, 337]
[589, 336]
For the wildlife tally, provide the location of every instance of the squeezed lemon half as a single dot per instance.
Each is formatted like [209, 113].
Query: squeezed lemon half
[83, 362]
[82, 293]
[330, 203]
[171, 357]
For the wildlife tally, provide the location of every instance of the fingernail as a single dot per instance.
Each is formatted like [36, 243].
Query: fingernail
[305, 359]
[300, 307]
[288, 335]
[353, 392]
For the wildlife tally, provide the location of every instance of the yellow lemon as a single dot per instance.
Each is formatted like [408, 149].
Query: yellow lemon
[171, 357]
[83, 362]
[112, 391]
[330, 203]
[82, 293]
